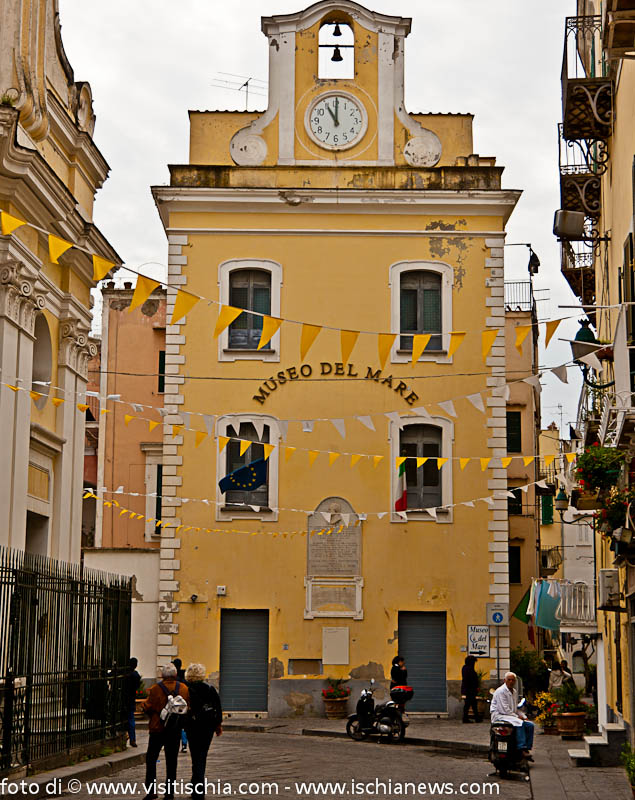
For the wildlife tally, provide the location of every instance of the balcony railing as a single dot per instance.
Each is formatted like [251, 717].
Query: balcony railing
[587, 94]
[577, 603]
[619, 28]
[581, 163]
[578, 269]
[519, 296]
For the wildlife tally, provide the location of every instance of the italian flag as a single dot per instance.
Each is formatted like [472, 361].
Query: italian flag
[401, 503]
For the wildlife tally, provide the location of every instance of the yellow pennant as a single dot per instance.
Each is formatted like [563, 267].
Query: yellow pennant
[419, 344]
[549, 460]
[399, 461]
[376, 460]
[226, 316]
[82, 407]
[505, 462]
[384, 344]
[354, 459]
[441, 462]
[101, 267]
[570, 457]
[268, 448]
[57, 247]
[463, 462]
[106, 411]
[550, 328]
[245, 444]
[222, 443]
[57, 401]
[270, 326]
[35, 396]
[333, 458]
[152, 425]
[9, 223]
[13, 388]
[313, 454]
[143, 290]
[421, 462]
[309, 335]
[527, 460]
[127, 418]
[176, 429]
[484, 463]
[487, 341]
[347, 341]
[521, 335]
[288, 452]
[199, 437]
[456, 339]
[183, 304]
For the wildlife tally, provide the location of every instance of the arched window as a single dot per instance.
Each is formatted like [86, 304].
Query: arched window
[336, 51]
[423, 483]
[420, 308]
[42, 360]
[250, 289]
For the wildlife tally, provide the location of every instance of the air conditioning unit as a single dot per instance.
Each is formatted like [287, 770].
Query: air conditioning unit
[608, 590]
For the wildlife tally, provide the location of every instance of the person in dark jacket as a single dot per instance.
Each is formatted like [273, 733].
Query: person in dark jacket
[398, 673]
[203, 721]
[180, 676]
[469, 689]
[131, 682]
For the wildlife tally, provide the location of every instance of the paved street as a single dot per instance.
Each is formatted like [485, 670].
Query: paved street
[287, 760]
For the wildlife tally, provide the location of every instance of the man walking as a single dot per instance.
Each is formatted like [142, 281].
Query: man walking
[504, 708]
[131, 682]
[160, 737]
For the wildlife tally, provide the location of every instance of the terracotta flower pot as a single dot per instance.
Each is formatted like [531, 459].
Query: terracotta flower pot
[335, 707]
[571, 724]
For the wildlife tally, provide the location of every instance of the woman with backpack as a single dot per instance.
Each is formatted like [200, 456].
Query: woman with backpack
[164, 705]
[203, 721]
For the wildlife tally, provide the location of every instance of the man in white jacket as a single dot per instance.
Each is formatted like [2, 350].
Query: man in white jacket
[504, 708]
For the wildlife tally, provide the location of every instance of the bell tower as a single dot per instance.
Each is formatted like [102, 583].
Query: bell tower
[336, 93]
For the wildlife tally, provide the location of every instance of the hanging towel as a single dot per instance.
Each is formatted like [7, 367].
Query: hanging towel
[531, 605]
[548, 609]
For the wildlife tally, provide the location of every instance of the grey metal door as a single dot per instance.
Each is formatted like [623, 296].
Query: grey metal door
[422, 643]
[244, 650]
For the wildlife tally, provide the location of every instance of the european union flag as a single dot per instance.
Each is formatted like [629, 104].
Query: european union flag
[247, 478]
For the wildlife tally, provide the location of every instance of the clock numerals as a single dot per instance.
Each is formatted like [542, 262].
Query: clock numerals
[335, 121]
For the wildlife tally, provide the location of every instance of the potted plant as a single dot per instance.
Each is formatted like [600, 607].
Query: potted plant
[571, 711]
[612, 514]
[547, 706]
[140, 697]
[628, 762]
[336, 698]
[597, 470]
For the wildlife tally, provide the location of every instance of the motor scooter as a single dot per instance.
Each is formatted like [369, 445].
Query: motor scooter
[386, 720]
[503, 752]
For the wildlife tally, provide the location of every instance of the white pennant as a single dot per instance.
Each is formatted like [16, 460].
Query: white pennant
[340, 427]
[395, 417]
[488, 500]
[327, 516]
[381, 515]
[525, 488]
[448, 407]
[512, 495]
[432, 512]
[113, 397]
[346, 518]
[137, 408]
[363, 517]
[119, 490]
[534, 380]
[255, 508]
[367, 421]
[592, 360]
[502, 391]
[542, 484]
[469, 504]
[208, 419]
[283, 427]
[561, 373]
[163, 412]
[307, 426]
[187, 415]
[259, 425]
[403, 515]
[88, 394]
[422, 411]
[477, 401]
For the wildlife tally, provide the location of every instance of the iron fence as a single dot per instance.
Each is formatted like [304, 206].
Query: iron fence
[519, 296]
[64, 649]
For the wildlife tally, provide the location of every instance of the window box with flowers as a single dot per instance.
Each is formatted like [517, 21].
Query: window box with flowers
[336, 698]
[598, 470]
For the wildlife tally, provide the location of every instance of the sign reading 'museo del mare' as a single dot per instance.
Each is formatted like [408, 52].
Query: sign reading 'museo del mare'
[335, 369]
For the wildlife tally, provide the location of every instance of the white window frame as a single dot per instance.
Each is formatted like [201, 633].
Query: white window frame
[234, 420]
[447, 447]
[153, 452]
[446, 272]
[224, 271]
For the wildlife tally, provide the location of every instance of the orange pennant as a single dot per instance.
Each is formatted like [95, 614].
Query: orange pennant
[268, 448]
[487, 341]
[527, 460]
[183, 304]
[127, 418]
[333, 458]
[550, 328]
[347, 340]
[152, 425]
[309, 335]
[521, 335]
[82, 407]
[199, 437]
[288, 452]
[484, 463]
[222, 443]
[505, 462]
[270, 326]
[354, 459]
[376, 460]
[419, 343]
[456, 339]
[226, 316]
[463, 462]
[384, 344]
[313, 454]
[245, 444]
[57, 401]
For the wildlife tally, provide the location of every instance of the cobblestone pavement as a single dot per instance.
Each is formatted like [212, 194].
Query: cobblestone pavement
[364, 769]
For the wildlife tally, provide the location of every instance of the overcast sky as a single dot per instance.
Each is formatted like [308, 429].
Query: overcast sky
[149, 61]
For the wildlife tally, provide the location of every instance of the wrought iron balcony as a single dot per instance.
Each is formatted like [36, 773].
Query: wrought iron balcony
[577, 265]
[519, 296]
[618, 30]
[577, 604]
[581, 164]
[587, 97]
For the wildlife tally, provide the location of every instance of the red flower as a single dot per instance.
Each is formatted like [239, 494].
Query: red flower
[596, 444]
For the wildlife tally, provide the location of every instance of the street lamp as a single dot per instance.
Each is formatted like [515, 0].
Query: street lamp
[561, 503]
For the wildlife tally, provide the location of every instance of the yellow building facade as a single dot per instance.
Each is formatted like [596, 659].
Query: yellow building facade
[50, 170]
[397, 229]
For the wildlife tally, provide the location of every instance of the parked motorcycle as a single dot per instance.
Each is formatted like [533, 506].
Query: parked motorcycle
[386, 720]
[503, 752]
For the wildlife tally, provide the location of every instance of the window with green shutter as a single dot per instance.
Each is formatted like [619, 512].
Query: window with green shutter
[546, 507]
[420, 308]
[514, 432]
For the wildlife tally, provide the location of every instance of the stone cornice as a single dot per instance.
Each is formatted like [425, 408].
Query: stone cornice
[371, 20]
[75, 346]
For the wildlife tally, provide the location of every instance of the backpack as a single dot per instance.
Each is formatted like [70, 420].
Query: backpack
[209, 715]
[173, 712]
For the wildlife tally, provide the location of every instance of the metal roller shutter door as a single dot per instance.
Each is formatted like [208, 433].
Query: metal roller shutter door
[422, 643]
[244, 650]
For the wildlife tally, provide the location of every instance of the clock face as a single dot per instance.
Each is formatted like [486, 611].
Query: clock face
[336, 121]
